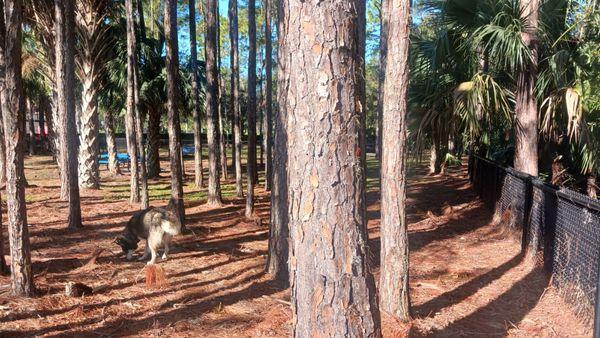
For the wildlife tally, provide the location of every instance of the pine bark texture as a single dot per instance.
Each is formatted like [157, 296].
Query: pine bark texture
[251, 110]
[3, 103]
[153, 142]
[174, 128]
[65, 84]
[268, 98]
[198, 175]
[277, 260]
[212, 105]
[235, 97]
[10, 54]
[333, 291]
[393, 285]
[526, 139]
[383, 45]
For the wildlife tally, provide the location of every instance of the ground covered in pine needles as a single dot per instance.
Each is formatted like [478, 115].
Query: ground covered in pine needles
[467, 276]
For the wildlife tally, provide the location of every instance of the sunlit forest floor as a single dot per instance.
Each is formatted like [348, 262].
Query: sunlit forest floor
[467, 277]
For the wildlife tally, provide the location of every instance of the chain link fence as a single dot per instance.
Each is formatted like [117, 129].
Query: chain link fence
[560, 225]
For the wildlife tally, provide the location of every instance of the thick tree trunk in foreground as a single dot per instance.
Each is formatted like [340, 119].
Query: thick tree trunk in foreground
[212, 106]
[393, 285]
[526, 139]
[172, 65]
[235, 97]
[3, 268]
[10, 53]
[333, 291]
[3, 98]
[251, 109]
[153, 142]
[269, 99]
[198, 175]
[111, 145]
[277, 261]
[65, 84]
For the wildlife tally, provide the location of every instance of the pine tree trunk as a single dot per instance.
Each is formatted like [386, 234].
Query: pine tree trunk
[3, 99]
[153, 143]
[31, 127]
[198, 175]
[269, 99]
[393, 285]
[3, 268]
[111, 145]
[277, 260]
[221, 86]
[10, 56]
[65, 84]
[174, 128]
[526, 139]
[251, 109]
[133, 107]
[333, 291]
[383, 45]
[235, 97]
[212, 105]
[130, 128]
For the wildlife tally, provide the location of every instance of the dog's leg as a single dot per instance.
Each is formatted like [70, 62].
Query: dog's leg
[153, 244]
[167, 239]
[146, 252]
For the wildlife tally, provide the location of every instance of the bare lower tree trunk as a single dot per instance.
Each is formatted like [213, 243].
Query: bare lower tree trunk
[3, 268]
[31, 127]
[65, 83]
[3, 98]
[383, 45]
[10, 56]
[333, 291]
[526, 139]
[172, 65]
[111, 145]
[133, 105]
[221, 85]
[277, 261]
[251, 109]
[198, 175]
[269, 98]
[393, 285]
[153, 143]
[212, 105]
[130, 127]
[433, 159]
[235, 96]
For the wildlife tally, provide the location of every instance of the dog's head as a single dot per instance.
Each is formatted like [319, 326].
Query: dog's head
[169, 219]
[127, 244]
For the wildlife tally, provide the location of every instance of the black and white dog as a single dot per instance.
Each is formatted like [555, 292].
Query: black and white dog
[155, 225]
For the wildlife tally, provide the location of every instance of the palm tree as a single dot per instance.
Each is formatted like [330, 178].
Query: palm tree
[13, 115]
[94, 45]
[65, 83]
[172, 67]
